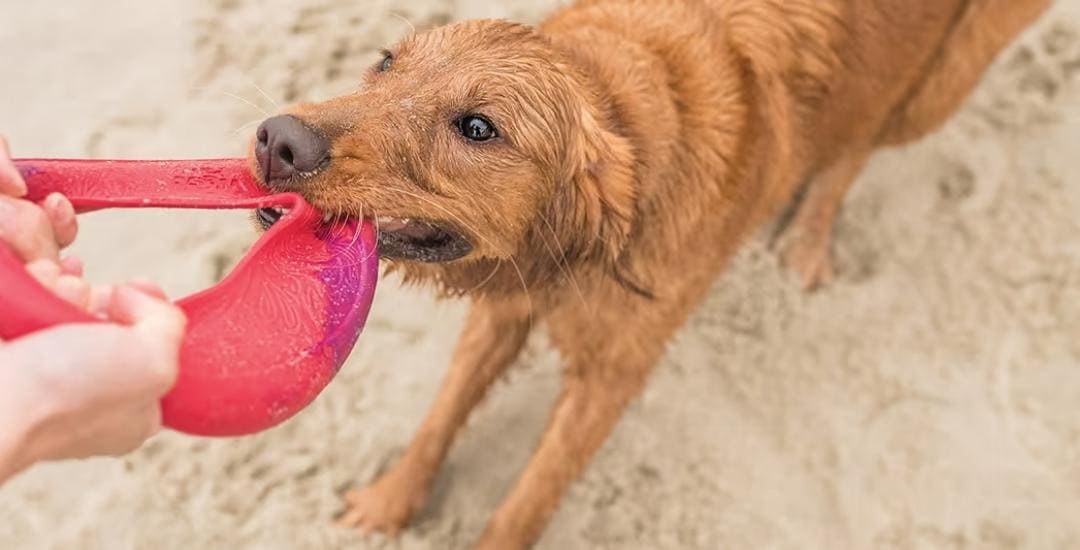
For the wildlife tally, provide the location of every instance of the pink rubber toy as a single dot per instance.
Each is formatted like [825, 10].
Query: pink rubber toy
[261, 344]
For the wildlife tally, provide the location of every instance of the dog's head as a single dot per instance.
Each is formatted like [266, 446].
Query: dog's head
[485, 154]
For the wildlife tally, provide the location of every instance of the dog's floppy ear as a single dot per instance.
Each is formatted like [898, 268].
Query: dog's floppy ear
[594, 207]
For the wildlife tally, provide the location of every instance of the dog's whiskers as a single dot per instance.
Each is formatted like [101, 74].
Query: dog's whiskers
[405, 20]
[343, 218]
[563, 264]
[487, 280]
[359, 224]
[247, 125]
[378, 230]
[277, 106]
[336, 220]
[375, 220]
[248, 102]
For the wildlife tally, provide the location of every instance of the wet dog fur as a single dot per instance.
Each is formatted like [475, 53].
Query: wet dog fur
[634, 145]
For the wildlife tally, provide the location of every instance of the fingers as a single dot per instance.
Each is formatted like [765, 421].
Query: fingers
[132, 305]
[62, 216]
[158, 323]
[45, 272]
[73, 290]
[68, 287]
[93, 389]
[21, 223]
[149, 288]
[28, 230]
[101, 301]
[11, 182]
[35, 232]
[72, 265]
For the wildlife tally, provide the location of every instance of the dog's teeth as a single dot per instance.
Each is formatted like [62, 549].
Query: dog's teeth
[387, 223]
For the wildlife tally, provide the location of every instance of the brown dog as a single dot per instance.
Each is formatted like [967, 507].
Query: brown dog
[596, 173]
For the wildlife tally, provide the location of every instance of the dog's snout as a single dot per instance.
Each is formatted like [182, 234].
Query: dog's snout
[287, 149]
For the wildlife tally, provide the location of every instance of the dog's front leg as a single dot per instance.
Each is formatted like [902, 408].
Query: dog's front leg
[808, 247]
[606, 373]
[493, 337]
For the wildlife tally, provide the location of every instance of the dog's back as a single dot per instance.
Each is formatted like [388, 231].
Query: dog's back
[679, 127]
[830, 81]
[863, 71]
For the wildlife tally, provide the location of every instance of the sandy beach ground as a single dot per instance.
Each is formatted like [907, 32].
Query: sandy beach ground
[929, 399]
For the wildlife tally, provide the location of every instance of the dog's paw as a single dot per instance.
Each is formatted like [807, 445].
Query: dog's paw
[385, 506]
[810, 260]
[493, 540]
[489, 543]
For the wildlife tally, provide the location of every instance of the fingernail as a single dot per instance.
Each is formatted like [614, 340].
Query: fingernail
[100, 300]
[74, 290]
[58, 206]
[73, 265]
[123, 301]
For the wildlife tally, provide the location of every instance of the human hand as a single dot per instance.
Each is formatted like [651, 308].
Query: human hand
[38, 233]
[79, 390]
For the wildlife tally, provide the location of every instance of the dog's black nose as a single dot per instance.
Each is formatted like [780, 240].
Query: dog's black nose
[287, 150]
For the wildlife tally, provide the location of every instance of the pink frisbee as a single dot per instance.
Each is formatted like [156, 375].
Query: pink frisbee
[260, 345]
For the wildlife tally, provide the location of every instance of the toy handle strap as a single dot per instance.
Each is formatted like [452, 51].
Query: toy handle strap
[25, 305]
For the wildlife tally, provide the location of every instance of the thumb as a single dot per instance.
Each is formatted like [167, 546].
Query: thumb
[131, 305]
[11, 182]
[159, 324]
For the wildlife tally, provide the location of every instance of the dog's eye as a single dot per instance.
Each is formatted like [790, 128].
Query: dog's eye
[386, 63]
[477, 128]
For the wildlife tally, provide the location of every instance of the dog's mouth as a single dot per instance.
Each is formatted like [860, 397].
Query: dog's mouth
[267, 217]
[400, 238]
[420, 240]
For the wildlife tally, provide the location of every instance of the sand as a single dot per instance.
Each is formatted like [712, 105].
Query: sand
[929, 399]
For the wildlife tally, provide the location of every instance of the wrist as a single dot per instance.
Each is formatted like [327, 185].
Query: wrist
[20, 413]
[14, 430]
